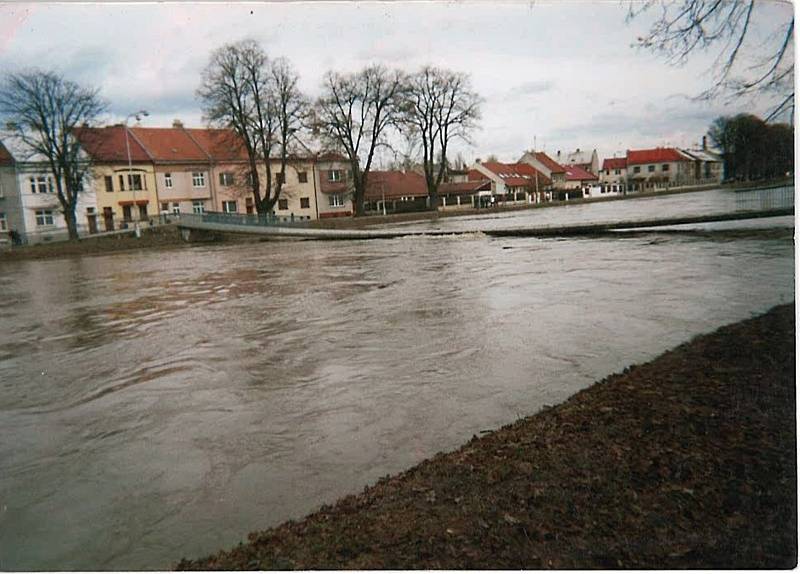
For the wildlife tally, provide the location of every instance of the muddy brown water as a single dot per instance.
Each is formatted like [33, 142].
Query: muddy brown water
[162, 404]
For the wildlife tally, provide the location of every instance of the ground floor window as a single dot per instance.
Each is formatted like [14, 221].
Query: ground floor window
[176, 208]
[164, 207]
[44, 217]
[305, 203]
[248, 205]
[229, 206]
[3, 224]
[283, 204]
[126, 212]
[336, 200]
[198, 207]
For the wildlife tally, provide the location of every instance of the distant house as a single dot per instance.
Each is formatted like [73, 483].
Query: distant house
[10, 205]
[708, 165]
[583, 159]
[614, 175]
[659, 167]
[548, 166]
[511, 183]
[395, 191]
[579, 183]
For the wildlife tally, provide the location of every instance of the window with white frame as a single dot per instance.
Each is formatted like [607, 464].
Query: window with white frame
[198, 179]
[176, 208]
[226, 179]
[3, 224]
[41, 184]
[651, 168]
[229, 207]
[198, 207]
[335, 175]
[336, 200]
[44, 217]
[168, 180]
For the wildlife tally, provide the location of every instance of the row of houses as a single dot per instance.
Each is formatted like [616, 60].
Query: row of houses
[537, 177]
[143, 174]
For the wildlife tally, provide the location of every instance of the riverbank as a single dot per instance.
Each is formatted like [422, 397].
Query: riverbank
[160, 237]
[687, 461]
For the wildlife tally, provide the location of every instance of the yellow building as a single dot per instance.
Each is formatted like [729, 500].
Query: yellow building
[123, 176]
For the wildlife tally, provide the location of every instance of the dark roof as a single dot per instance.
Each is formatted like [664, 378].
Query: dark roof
[392, 184]
[5, 156]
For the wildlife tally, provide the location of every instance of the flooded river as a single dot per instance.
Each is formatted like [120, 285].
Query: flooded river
[162, 404]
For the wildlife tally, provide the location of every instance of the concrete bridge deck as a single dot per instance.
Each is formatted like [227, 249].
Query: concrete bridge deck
[201, 224]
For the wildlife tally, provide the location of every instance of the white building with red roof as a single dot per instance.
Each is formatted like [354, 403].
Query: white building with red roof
[614, 173]
[546, 165]
[659, 167]
[512, 183]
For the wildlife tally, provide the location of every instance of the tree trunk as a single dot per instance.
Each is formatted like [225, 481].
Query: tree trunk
[72, 224]
[358, 199]
[433, 197]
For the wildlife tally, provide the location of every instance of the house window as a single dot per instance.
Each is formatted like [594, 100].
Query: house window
[651, 168]
[248, 204]
[198, 179]
[336, 200]
[226, 179]
[143, 212]
[164, 207]
[616, 172]
[198, 207]
[121, 183]
[302, 177]
[3, 224]
[41, 184]
[176, 208]
[664, 167]
[44, 217]
[126, 212]
[109, 183]
[280, 177]
[135, 181]
[283, 204]
[637, 169]
[305, 203]
[168, 180]
[229, 206]
[335, 175]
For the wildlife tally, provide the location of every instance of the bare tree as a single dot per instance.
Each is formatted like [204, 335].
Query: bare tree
[439, 106]
[685, 27]
[355, 114]
[42, 110]
[258, 98]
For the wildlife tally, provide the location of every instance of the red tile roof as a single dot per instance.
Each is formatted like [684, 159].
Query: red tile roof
[577, 173]
[465, 187]
[5, 156]
[549, 162]
[394, 184]
[220, 144]
[108, 145]
[655, 155]
[516, 174]
[615, 163]
[170, 145]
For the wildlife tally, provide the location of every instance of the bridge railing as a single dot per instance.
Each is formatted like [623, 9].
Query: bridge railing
[251, 219]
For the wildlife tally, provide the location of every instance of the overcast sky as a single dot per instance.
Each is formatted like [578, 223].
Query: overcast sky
[563, 72]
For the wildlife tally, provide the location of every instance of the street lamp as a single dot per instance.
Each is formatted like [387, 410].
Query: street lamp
[138, 115]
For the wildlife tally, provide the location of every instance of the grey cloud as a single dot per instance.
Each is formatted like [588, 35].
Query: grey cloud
[532, 88]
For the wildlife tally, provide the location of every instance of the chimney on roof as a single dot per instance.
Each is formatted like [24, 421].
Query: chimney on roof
[477, 160]
[704, 143]
[577, 150]
[177, 124]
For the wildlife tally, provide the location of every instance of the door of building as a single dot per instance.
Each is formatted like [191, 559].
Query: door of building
[108, 218]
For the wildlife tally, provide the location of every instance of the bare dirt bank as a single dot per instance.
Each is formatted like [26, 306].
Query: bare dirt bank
[687, 461]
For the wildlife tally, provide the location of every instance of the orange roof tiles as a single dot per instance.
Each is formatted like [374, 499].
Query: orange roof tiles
[108, 144]
[393, 184]
[615, 163]
[170, 145]
[577, 173]
[549, 162]
[5, 156]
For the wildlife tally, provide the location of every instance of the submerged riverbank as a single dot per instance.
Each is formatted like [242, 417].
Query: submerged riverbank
[687, 461]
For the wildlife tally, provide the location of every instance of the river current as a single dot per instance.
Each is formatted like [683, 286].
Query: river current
[161, 404]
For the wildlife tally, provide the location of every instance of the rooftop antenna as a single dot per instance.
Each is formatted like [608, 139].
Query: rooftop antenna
[534, 144]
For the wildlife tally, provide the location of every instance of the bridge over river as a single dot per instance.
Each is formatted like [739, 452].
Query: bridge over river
[592, 219]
